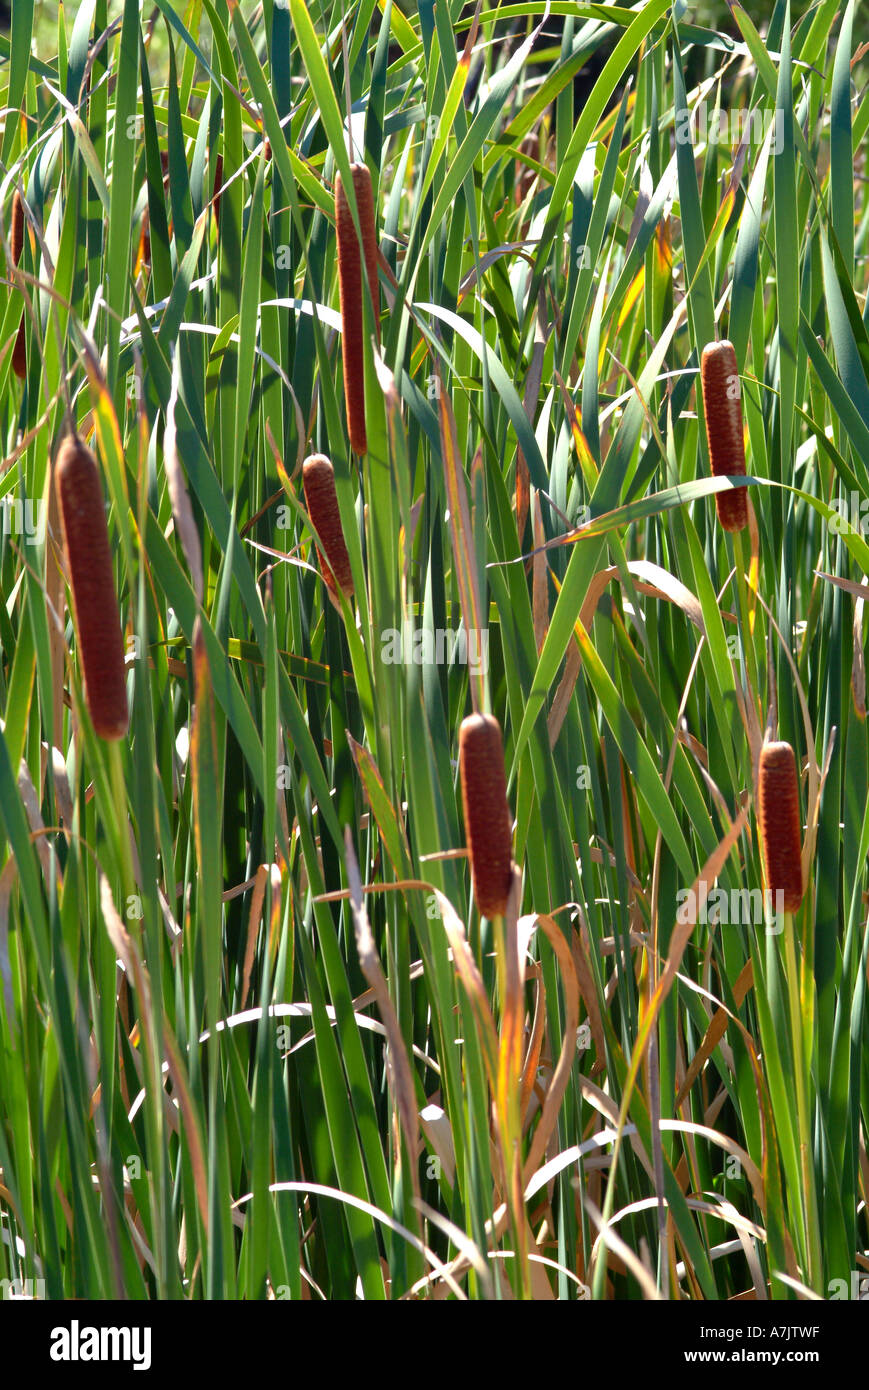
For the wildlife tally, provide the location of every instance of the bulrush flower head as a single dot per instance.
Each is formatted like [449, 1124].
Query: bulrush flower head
[321, 499]
[778, 798]
[19, 351]
[91, 580]
[488, 824]
[722, 406]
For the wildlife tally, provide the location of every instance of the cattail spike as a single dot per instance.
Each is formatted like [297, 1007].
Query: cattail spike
[778, 797]
[350, 287]
[722, 406]
[488, 824]
[321, 499]
[19, 352]
[95, 605]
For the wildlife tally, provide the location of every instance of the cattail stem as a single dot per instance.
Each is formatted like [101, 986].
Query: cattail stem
[801, 1045]
[217, 189]
[722, 407]
[95, 605]
[488, 824]
[321, 499]
[746, 609]
[119, 832]
[350, 287]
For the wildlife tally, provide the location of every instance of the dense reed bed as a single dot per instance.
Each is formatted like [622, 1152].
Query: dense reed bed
[372, 387]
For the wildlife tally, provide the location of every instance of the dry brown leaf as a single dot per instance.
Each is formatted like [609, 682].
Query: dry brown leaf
[715, 1032]
[540, 579]
[560, 1076]
[399, 1065]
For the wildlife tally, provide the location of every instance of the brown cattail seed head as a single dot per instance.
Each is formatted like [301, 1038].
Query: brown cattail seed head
[488, 824]
[778, 797]
[722, 405]
[19, 352]
[321, 499]
[350, 286]
[95, 605]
